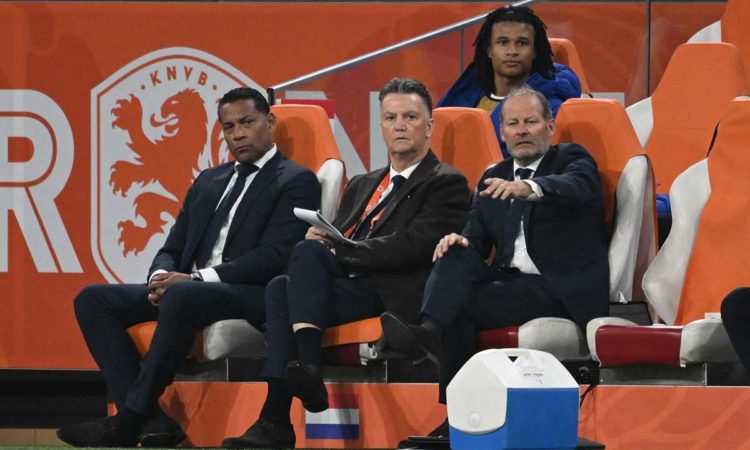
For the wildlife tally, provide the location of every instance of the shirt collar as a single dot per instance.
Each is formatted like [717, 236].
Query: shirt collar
[406, 173]
[533, 166]
[263, 159]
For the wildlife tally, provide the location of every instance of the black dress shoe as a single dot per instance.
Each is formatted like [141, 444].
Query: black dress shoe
[413, 341]
[442, 431]
[264, 434]
[97, 433]
[305, 381]
[161, 431]
[437, 439]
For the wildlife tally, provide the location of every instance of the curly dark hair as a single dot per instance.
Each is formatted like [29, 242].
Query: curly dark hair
[542, 64]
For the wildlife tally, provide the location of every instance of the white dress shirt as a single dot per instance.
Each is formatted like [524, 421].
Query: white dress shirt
[521, 258]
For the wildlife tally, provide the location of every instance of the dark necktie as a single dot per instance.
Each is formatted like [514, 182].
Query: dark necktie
[206, 246]
[363, 229]
[512, 221]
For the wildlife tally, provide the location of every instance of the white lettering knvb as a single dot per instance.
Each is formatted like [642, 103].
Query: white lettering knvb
[29, 188]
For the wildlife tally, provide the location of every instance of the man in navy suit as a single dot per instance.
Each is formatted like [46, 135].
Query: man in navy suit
[541, 211]
[234, 233]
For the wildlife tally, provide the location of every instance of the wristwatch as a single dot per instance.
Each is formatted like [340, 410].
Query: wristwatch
[196, 276]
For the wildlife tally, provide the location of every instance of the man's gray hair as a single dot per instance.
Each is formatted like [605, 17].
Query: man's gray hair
[407, 86]
[526, 90]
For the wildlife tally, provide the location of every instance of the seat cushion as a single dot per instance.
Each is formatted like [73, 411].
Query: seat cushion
[706, 340]
[560, 337]
[234, 338]
[626, 345]
[506, 337]
[700, 341]
[142, 333]
[366, 330]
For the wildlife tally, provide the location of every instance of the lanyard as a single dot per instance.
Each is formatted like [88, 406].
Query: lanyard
[374, 200]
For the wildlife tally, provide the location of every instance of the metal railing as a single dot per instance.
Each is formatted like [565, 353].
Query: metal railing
[385, 50]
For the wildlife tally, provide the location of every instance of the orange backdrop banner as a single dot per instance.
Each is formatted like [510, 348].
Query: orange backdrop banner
[96, 98]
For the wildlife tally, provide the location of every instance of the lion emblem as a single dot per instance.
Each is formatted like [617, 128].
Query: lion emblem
[171, 160]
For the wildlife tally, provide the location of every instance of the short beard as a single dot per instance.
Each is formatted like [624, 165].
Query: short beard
[526, 160]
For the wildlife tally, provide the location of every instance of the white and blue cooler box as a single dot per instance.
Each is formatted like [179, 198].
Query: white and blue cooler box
[513, 399]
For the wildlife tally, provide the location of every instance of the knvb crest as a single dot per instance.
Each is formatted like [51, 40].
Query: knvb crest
[153, 129]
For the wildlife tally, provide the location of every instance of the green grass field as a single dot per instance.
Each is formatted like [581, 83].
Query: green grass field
[37, 447]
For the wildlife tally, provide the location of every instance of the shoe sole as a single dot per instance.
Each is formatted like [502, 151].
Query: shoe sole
[401, 338]
[162, 440]
[68, 440]
[241, 443]
[101, 442]
[296, 378]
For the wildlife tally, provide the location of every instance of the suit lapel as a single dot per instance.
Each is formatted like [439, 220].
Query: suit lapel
[544, 168]
[270, 171]
[208, 203]
[505, 171]
[423, 172]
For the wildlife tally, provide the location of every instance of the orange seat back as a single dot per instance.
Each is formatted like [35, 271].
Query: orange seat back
[720, 259]
[365, 330]
[304, 135]
[734, 30]
[465, 139]
[695, 91]
[564, 52]
[142, 333]
[602, 127]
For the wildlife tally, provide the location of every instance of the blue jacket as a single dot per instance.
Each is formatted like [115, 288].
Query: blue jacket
[467, 93]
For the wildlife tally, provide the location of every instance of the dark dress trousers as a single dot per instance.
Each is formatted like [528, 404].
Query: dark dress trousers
[387, 271]
[565, 238]
[735, 313]
[261, 236]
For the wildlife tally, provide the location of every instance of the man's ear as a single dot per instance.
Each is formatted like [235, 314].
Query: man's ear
[430, 124]
[551, 126]
[271, 118]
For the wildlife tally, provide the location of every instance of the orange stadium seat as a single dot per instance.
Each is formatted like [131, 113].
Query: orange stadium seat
[602, 127]
[142, 334]
[304, 135]
[731, 28]
[676, 124]
[702, 260]
[564, 52]
[463, 138]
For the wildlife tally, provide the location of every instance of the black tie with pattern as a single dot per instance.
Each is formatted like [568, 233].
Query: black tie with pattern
[513, 220]
[206, 246]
